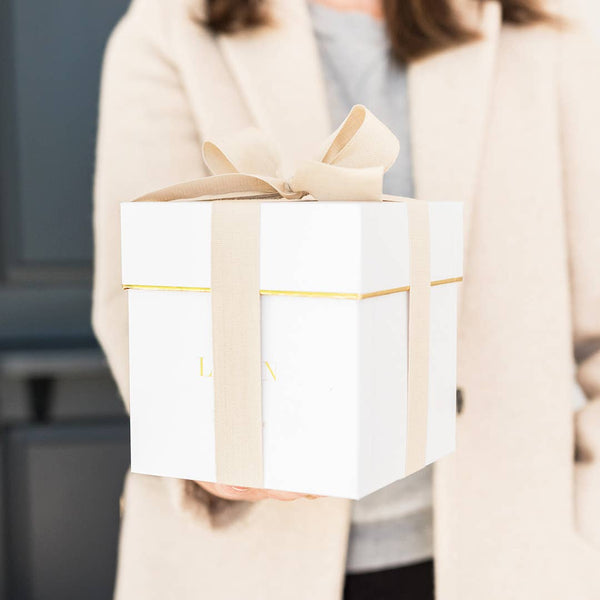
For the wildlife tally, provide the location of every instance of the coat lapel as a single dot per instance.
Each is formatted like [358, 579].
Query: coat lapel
[450, 95]
[278, 70]
[277, 73]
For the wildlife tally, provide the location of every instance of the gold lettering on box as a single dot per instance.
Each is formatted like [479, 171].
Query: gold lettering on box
[202, 371]
[270, 370]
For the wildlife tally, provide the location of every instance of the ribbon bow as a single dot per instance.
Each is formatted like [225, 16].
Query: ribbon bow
[350, 166]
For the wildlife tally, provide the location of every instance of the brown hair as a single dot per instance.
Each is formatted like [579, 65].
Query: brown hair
[415, 27]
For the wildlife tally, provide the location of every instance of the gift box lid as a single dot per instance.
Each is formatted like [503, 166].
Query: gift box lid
[342, 247]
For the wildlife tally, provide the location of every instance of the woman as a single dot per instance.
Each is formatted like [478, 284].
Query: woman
[495, 104]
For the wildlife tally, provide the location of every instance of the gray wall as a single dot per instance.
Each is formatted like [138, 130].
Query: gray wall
[60, 477]
[49, 80]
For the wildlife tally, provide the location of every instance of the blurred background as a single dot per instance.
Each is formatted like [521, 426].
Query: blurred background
[63, 432]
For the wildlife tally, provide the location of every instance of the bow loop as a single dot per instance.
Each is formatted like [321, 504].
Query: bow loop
[353, 161]
[361, 141]
[249, 151]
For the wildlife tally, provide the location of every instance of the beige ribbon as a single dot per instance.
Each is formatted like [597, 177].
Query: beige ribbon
[349, 167]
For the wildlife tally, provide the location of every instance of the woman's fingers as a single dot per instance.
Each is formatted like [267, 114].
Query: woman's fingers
[231, 492]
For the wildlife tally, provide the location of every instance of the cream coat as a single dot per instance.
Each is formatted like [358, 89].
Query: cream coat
[510, 126]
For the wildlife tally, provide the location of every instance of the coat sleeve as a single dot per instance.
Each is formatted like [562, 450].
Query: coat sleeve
[147, 139]
[579, 95]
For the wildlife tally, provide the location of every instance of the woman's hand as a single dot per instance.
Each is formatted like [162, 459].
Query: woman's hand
[231, 492]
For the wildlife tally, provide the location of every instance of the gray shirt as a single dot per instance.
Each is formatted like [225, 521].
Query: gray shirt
[393, 526]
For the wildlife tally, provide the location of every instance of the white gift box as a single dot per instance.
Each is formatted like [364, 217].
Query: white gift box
[334, 304]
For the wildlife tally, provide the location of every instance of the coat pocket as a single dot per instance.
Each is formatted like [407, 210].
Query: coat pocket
[587, 472]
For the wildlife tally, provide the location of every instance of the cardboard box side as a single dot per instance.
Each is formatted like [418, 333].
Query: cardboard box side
[382, 436]
[310, 406]
[446, 234]
[441, 422]
[166, 243]
[385, 248]
[310, 246]
[172, 408]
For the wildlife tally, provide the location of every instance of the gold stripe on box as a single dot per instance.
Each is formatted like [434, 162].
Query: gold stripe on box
[336, 295]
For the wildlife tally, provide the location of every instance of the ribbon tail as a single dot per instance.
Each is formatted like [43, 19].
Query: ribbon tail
[224, 186]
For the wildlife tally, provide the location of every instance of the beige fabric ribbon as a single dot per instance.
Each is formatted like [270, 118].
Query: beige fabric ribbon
[350, 167]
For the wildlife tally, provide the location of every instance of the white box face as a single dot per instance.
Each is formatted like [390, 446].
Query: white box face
[334, 370]
[309, 391]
